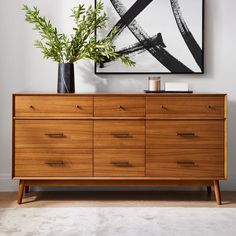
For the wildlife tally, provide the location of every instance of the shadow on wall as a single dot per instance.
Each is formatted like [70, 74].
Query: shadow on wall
[231, 142]
[86, 80]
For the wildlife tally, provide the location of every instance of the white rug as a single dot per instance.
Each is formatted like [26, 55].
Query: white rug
[117, 221]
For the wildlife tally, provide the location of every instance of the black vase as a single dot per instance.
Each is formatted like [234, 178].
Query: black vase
[66, 78]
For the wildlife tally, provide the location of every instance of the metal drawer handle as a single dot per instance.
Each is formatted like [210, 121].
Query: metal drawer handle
[55, 135]
[121, 135]
[79, 107]
[185, 162]
[121, 108]
[32, 107]
[121, 163]
[211, 107]
[55, 163]
[163, 107]
[188, 134]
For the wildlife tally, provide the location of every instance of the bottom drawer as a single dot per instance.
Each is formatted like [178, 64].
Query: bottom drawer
[185, 163]
[119, 162]
[53, 163]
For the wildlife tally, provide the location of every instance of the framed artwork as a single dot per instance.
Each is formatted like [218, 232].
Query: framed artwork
[161, 36]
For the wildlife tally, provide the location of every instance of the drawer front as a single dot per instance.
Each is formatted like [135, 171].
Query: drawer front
[171, 107]
[119, 106]
[185, 163]
[112, 162]
[53, 162]
[61, 106]
[185, 134]
[119, 134]
[53, 134]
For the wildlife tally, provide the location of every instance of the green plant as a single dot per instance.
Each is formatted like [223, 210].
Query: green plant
[82, 44]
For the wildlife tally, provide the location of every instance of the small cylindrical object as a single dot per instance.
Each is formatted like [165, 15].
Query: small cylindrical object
[154, 84]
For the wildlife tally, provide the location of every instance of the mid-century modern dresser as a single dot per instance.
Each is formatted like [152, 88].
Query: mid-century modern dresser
[112, 139]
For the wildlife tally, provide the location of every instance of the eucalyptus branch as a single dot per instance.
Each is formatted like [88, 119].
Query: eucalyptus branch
[83, 43]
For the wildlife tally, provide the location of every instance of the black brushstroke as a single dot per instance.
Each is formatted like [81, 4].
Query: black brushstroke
[186, 34]
[138, 48]
[130, 15]
[163, 56]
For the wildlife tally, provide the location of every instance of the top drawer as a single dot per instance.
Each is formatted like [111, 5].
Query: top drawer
[186, 106]
[119, 106]
[27, 105]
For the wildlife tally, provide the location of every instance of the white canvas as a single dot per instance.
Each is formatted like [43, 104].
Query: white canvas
[157, 18]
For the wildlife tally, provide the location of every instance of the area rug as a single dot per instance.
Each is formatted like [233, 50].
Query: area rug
[117, 221]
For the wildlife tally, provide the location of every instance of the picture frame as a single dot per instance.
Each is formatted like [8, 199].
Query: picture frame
[162, 37]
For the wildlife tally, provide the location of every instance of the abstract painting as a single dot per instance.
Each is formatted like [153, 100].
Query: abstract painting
[161, 36]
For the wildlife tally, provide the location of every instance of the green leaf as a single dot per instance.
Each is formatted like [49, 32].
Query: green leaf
[82, 44]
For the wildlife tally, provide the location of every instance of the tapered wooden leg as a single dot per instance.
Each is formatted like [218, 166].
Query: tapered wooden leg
[27, 189]
[217, 191]
[209, 190]
[20, 191]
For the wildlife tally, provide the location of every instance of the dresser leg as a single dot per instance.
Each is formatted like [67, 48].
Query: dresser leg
[27, 189]
[20, 191]
[209, 190]
[217, 191]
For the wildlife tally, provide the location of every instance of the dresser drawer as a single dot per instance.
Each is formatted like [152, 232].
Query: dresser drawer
[119, 134]
[53, 134]
[60, 106]
[185, 134]
[184, 106]
[119, 106]
[53, 162]
[120, 162]
[185, 163]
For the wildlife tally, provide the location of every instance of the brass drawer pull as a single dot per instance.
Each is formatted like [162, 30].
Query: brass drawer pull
[32, 107]
[121, 108]
[79, 107]
[163, 107]
[185, 162]
[55, 135]
[211, 107]
[121, 163]
[121, 135]
[189, 134]
[55, 163]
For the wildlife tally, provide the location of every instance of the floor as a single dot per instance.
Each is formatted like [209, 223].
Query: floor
[117, 199]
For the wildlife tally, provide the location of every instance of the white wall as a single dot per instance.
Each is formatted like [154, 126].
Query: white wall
[23, 69]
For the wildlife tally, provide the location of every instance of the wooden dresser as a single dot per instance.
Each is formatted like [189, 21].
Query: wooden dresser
[119, 140]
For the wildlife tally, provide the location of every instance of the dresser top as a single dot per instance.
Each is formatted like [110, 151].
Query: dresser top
[118, 94]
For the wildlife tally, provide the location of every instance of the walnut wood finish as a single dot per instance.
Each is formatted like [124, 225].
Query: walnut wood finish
[119, 162]
[53, 134]
[185, 107]
[119, 140]
[185, 134]
[117, 182]
[119, 134]
[53, 162]
[217, 192]
[195, 163]
[117, 106]
[59, 106]
[20, 191]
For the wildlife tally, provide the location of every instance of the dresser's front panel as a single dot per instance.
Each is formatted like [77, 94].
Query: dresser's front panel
[119, 136]
[53, 162]
[185, 134]
[186, 107]
[53, 134]
[119, 106]
[185, 163]
[53, 106]
[122, 134]
[119, 162]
